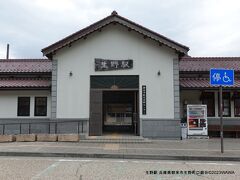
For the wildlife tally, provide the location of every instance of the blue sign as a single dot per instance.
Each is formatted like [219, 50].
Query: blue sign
[224, 77]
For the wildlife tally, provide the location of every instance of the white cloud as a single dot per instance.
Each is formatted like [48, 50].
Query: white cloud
[2, 52]
[208, 27]
[54, 5]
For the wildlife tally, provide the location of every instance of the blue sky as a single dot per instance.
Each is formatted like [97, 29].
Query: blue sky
[208, 27]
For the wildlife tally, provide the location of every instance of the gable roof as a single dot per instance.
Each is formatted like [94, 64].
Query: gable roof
[114, 18]
[204, 64]
[25, 66]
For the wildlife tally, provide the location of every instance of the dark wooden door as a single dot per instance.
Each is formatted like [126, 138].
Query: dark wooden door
[95, 121]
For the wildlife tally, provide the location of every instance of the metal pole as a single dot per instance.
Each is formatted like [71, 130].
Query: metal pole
[221, 118]
[7, 56]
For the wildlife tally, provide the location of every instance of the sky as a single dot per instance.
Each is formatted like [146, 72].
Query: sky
[207, 27]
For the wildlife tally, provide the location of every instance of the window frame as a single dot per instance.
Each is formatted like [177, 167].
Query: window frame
[29, 106]
[35, 106]
[225, 95]
[236, 98]
[209, 96]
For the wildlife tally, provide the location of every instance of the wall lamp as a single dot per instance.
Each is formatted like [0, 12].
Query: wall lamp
[185, 102]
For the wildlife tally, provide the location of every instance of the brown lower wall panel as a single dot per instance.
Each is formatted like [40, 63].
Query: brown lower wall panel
[225, 128]
[226, 134]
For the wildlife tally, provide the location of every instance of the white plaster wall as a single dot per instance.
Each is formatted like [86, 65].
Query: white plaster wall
[9, 101]
[115, 42]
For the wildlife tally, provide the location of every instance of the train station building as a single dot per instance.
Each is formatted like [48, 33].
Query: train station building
[114, 76]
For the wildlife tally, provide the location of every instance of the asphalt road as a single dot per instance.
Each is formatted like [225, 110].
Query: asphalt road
[25, 168]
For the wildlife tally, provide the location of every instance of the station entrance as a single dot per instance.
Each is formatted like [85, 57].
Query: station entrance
[119, 111]
[114, 109]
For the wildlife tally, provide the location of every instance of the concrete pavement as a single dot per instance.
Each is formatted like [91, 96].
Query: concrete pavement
[24, 168]
[190, 149]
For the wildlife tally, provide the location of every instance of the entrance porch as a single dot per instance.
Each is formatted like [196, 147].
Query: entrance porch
[114, 105]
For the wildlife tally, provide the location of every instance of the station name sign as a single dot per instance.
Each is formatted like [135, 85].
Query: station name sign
[109, 65]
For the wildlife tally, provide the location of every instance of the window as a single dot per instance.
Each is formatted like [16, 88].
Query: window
[40, 106]
[236, 97]
[208, 99]
[226, 104]
[23, 106]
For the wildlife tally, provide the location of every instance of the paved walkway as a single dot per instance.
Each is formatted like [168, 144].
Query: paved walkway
[191, 149]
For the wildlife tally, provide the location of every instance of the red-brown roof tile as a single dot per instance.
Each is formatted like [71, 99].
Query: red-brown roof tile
[25, 66]
[189, 64]
[25, 83]
[201, 83]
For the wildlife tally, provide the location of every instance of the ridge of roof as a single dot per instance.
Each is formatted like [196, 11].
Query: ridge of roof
[23, 78]
[210, 58]
[114, 17]
[21, 60]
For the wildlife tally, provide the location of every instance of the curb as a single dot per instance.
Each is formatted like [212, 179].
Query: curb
[121, 156]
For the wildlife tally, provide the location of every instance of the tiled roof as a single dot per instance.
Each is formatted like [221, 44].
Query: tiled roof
[114, 18]
[192, 64]
[201, 83]
[25, 65]
[25, 82]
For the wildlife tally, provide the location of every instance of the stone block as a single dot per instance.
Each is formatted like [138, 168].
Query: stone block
[68, 137]
[25, 137]
[7, 138]
[47, 137]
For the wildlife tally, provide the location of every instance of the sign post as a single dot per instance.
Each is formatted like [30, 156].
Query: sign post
[221, 117]
[221, 77]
